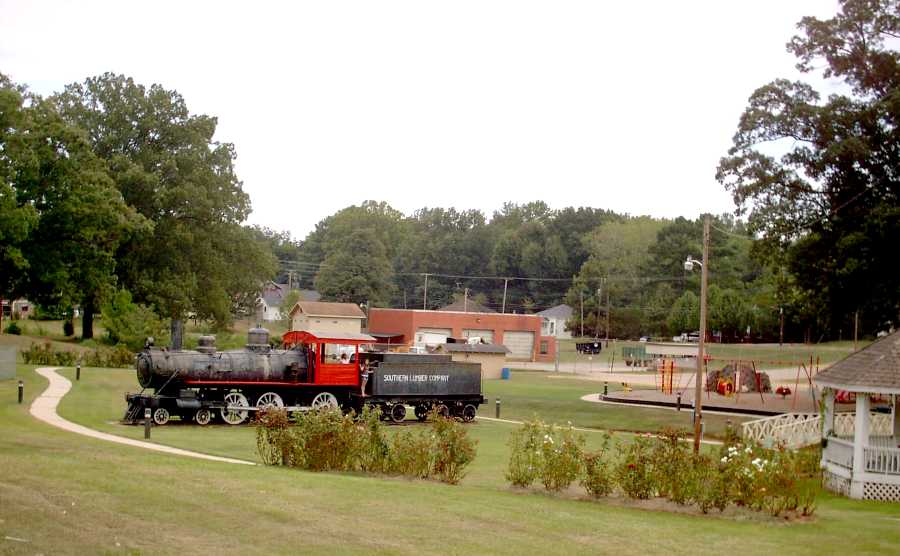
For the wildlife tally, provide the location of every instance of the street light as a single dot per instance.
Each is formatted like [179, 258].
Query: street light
[698, 393]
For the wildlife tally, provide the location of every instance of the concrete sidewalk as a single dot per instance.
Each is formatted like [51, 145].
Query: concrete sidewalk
[44, 409]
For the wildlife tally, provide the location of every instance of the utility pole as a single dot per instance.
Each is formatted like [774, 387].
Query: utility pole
[781, 331]
[404, 298]
[505, 282]
[698, 394]
[599, 301]
[425, 296]
[607, 315]
[466, 300]
[581, 293]
[855, 328]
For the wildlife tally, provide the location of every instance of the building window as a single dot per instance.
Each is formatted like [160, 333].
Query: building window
[545, 347]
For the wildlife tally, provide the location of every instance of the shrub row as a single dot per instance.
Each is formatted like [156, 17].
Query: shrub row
[328, 440]
[777, 481]
[45, 354]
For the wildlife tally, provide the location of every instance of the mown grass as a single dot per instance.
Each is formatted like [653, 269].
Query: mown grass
[66, 494]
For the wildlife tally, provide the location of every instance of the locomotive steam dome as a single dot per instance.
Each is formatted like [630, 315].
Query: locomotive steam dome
[206, 344]
[257, 338]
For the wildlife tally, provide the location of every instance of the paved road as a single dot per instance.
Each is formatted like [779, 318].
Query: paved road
[44, 409]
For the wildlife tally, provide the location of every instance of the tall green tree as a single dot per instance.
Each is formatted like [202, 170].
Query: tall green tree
[81, 218]
[356, 270]
[828, 208]
[169, 168]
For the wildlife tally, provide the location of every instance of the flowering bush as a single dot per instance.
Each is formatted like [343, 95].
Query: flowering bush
[526, 457]
[545, 452]
[596, 477]
[635, 473]
[328, 440]
[672, 465]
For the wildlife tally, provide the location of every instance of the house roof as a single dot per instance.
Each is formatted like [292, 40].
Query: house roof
[328, 309]
[474, 348]
[562, 311]
[273, 294]
[470, 306]
[874, 369]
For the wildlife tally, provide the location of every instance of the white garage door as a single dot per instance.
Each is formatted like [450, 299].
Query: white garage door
[520, 344]
[486, 336]
[430, 336]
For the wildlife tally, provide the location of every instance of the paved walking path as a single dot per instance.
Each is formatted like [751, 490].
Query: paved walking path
[44, 409]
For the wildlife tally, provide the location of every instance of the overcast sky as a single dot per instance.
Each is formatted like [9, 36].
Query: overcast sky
[618, 105]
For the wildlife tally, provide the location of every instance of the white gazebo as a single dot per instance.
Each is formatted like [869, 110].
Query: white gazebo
[861, 450]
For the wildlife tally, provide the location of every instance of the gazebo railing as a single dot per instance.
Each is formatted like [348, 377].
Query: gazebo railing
[793, 430]
[839, 452]
[882, 460]
[879, 424]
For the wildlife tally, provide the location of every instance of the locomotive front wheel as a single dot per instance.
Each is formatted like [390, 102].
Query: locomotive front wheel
[468, 413]
[421, 412]
[234, 416]
[161, 416]
[203, 416]
[324, 400]
[398, 413]
[442, 410]
[270, 399]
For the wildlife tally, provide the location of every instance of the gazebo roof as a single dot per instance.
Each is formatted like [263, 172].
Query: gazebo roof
[874, 369]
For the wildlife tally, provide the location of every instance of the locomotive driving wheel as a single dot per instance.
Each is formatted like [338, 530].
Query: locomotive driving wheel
[234, 416]
[161, 416]
[203, 416]
[270, 399]
[324, 400]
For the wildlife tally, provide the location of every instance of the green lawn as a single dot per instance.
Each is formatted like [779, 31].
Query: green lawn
[64, 493]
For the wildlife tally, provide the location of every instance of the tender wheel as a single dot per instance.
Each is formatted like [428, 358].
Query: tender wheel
[235, 416]
[421, 412]
[161, 416]
[398, 413]
[469, 412]
[270, 399]
[203, 416]
[324, 400]
[442, 410]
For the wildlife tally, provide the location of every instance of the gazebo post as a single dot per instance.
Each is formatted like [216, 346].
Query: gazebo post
[828, 424]
[860, 442]
[896, 416]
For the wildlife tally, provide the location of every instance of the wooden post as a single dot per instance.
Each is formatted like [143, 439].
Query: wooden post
[146, 422]
[582, 314]
[855, 329]
[425, 295]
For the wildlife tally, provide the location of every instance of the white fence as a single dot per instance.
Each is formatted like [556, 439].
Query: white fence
[882, 460]
[792, 430]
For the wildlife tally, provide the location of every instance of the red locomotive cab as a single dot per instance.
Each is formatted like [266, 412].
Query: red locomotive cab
[333, 356]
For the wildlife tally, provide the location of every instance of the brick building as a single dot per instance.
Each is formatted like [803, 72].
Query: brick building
[521, 334]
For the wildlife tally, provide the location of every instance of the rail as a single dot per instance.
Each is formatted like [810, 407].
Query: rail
[792, 430]
[879, 424]
[839, 452]
[882, 460]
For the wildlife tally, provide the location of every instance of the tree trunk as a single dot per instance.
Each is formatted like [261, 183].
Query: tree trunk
[87, 320]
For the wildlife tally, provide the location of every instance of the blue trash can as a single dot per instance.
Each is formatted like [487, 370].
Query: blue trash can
[504, 374]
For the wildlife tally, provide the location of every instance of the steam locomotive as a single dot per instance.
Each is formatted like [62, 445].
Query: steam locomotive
[314, 370]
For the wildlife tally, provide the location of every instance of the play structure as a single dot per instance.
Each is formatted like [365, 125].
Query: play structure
[729, 377]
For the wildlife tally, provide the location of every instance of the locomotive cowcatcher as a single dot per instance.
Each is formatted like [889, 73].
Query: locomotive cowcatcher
[314, 370]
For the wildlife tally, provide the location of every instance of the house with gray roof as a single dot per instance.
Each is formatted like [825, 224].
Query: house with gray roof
[861, 449]
[553, 321]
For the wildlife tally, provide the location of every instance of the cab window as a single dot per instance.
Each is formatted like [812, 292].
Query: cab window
[331, 353]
